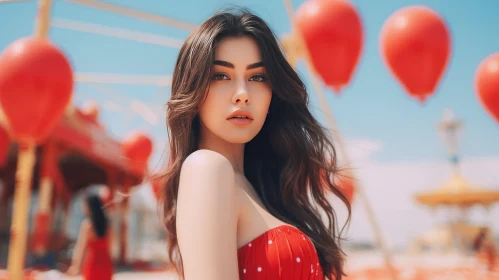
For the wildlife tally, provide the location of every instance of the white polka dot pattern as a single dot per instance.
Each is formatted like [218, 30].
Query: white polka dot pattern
[280, 253]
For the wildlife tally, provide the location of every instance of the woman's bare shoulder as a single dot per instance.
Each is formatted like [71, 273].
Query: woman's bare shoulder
[207, 166]
[207, 172]
[207, 159]
[207, 217]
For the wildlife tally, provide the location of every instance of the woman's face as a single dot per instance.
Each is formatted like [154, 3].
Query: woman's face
[239, 95]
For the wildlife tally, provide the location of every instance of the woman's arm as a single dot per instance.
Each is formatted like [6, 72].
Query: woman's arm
[207, 216]
[79, 249]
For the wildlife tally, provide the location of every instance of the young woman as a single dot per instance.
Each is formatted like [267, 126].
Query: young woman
[93, 243]
[249, 165]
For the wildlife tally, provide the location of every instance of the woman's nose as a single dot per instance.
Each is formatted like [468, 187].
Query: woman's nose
[241, 95]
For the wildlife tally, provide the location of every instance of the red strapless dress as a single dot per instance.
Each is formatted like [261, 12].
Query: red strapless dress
[98, 264]
[283, 252]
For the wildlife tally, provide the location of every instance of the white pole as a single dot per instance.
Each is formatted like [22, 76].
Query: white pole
[98, 29]
[108, 7]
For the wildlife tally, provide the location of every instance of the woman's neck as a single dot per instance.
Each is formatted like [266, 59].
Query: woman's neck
[234, 152]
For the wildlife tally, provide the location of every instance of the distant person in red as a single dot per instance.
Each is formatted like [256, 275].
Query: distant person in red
[93, 243]
[485, 248]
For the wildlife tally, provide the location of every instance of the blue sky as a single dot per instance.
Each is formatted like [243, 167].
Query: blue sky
[373, 107]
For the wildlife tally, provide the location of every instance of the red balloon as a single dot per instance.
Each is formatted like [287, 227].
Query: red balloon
[138, 148]
[157, 184]
[487, 84]
[4, 146]
[416, 46]
[333, 33]
[346, 184]
[36, 83]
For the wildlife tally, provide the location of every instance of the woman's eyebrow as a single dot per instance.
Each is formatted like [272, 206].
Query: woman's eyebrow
[255, 65]
[230, 65]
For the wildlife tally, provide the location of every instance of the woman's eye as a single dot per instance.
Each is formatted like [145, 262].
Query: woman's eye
[258, 78]
[220, 77]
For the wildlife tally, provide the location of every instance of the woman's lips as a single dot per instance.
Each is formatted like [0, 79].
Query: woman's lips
[240, 121]
[240, 117]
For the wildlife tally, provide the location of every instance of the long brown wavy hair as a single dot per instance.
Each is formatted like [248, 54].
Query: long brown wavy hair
[291, 162]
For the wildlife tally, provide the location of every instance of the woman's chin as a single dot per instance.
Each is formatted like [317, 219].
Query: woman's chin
[239, 139]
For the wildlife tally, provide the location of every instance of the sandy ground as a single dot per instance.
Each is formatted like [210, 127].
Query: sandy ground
[355, 262]
[141, 276]
[53, 275]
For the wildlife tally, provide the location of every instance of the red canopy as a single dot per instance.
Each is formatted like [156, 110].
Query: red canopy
[80, 133]
[87, 153]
